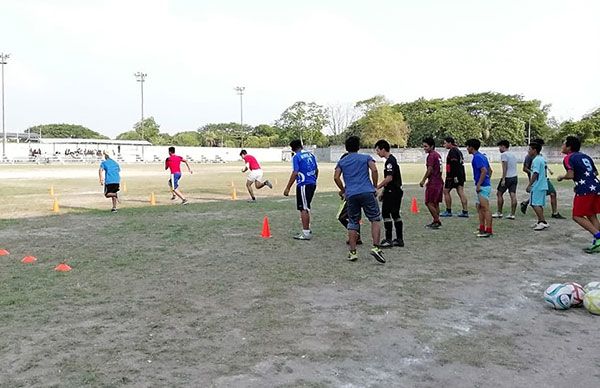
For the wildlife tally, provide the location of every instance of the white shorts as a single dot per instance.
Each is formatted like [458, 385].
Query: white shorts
[255, 175]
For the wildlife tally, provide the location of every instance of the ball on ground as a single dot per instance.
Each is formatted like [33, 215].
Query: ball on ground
[558, 296]
[591, 286]
[577, 294]
[591, 301]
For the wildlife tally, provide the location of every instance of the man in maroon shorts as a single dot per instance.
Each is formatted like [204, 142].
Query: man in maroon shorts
[586, 204]
[435, 185]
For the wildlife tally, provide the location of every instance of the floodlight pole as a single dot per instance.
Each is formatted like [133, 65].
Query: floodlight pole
[240, 91]
[141, 78]
[529, 131]
[3, 58]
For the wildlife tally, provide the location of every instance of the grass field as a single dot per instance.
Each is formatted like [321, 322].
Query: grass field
[175, 295]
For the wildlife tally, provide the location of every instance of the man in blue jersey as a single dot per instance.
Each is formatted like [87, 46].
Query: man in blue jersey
[586, 204]
[305, 173]
[538, 185]
[110, 180]
[360, 193]
[483, 187]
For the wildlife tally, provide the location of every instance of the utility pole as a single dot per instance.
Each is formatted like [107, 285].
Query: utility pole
[141, 78]
[240, 91]
[529, 131]
[3, 58]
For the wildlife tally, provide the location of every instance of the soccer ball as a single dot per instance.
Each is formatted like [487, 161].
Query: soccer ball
[591, 286]
[559, 296]
[577, 294]
[591, 301]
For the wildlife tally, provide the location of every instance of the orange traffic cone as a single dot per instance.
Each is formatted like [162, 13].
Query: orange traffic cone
[152, 199]
[266, 230]
[29, 260]
[62, 267]
[4, 252]
[414, 208]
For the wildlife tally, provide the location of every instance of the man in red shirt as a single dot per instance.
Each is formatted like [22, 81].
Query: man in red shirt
[254, 176]
[435, 184]
[173, 163]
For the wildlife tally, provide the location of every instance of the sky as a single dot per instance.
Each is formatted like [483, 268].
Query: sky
[73, 61]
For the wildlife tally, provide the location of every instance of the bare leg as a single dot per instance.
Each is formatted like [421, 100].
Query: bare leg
[481, 214]
[305, 217]
[179, 194]
[513, 203]
[588, 223]
[539, 212]
[553, 203]
[447, 198]
[114, 202]
[375, 232]
[463, 198]
[500, 197]
[249, 187]
[434, 210]
[352, 238]
[259, 185]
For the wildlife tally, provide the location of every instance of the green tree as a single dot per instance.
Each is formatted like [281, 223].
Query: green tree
[382, 122]
[587, 129]
[129, 135]
[148, 129]
[64, 131]
[189, 138]
[304, 121]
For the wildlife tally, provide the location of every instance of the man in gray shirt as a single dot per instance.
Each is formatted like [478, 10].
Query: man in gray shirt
[508, 182]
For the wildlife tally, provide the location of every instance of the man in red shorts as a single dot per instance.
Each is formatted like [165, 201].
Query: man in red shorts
[586, 203]
[435, 185]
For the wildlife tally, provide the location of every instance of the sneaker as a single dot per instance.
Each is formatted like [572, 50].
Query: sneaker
[463, 215]
[541, 226]
[534, 225]
[253, 200]
[510, 217]
[558, 216]
[113, 210]
[497, 215]
[524, 207]
[352, 256]
[446, 214]
[303, 236]
[386, 244]
[173, 197]
[434, 225]
[377, 254]
[398, 243]
[268, 184]
[594, 248]
[184, 202]
[484, 234]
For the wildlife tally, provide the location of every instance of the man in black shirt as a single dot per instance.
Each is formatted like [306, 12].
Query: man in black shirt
[455, 178]
[391, 196]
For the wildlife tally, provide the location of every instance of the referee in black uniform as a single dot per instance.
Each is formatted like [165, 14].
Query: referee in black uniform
[391, 196]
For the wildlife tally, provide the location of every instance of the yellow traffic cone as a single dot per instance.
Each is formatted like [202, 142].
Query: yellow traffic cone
[233, 194]
[55, 207]
[152, 199]
[124, 186]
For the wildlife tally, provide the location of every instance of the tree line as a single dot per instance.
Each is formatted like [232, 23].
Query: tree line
[489, 117]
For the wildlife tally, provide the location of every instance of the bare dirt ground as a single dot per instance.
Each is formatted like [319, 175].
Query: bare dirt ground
[192, 296]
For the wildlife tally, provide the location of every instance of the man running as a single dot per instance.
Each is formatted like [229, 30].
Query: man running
[391, 197]
[111, 180]
[254, 176]
[508, 182]
[173, 163]
[435, 184]
[455, 178]
[483, 187]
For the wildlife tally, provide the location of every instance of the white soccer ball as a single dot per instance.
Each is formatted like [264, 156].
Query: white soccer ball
[591, 286]
[559, 296]
[577, 294]
[591, 301]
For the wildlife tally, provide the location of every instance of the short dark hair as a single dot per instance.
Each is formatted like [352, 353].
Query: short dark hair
[535, 146]
[295, 145]
[383, 145]
[352, 144]
[540, 142]
[172, 150]
[475, 143]
[503, 143]
[573, 143]
[429, 141]
[450, 139]
[243, 152]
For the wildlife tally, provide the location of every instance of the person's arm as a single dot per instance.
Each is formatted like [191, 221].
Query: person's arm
[187, 165]
[534, 177]
[291, 181]
[427, 175]
[374, 172]
[246, 167]
[337, 178]
[166, 163]
[569, 175]
[504, 170]
[482, 173]
[384, 182]
[526, 169]
[100, 176]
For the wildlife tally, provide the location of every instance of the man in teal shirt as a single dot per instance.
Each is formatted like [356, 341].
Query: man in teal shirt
[111, 179]
[538, 185]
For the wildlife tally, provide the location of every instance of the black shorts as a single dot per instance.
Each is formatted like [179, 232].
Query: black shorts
[454, 183]
[304, 196]
[111, 188]
[391, 203]
[510, 184]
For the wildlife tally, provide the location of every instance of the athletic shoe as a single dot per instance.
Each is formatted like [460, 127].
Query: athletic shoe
[184, 202]
[541, 226]
[446, 214]
[268, 184]
[497, 215]
[251, 200]
[113, 210]
[594, 248]
[484, 234]
[398, 243]
[386, 244]
[434, 225]
[558, 216]
[173, 197]
[377, 254]
[463, 215]
[534, 225]
[524, 207]
[303, 236]
[510, 217]
[352, 256]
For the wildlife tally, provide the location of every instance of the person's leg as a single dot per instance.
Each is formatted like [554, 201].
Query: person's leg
[387, 220]
[114, 202]
[539, 212]
[376, 232]
[588, 223]
[305, 217]
[250, 191]
[594, 220]
[343, 215]
[486, 214]
[481, 215]
[553, 203]
[448, 199]
[463, 198]
[354, 213]
[259, 185]
[500, 201]
[433, 211]
[397, 218]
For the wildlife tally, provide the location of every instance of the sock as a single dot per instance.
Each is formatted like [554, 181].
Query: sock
[597, 236]
[465, 212]
[306, 232]
[488, 230]
[481, 227]
[399, 232]
[448, 210]
[388, 230]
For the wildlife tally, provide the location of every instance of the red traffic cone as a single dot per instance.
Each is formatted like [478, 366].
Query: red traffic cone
[414, 208]
[62, 267]
[4, 252]
[28, 260]
[266, 230]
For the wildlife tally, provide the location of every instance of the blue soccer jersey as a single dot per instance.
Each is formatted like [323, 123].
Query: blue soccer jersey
[305, 164]
[479, 160]
[584, 171]
[111, 169]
